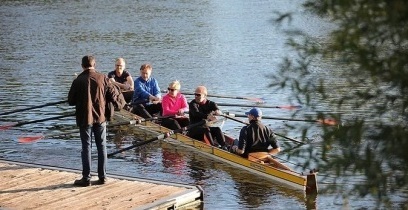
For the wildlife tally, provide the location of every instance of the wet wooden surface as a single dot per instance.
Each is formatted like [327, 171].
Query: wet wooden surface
[27, 187]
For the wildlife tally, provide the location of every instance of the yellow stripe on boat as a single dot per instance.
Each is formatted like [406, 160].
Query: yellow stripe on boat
[292, 179]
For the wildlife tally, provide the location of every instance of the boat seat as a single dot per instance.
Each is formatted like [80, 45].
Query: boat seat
[265, 158]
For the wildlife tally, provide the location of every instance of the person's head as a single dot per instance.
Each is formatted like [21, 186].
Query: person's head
[200, 94]
[174, 88]
[146, 71]
[88, 62]
[255, 113]
[120, 65]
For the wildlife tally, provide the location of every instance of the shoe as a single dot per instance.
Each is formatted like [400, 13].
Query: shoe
[225, 148]
[101, 181]
[82, 182]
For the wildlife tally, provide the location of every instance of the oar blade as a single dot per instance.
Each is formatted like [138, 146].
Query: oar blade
[327, 121]
[257, 100]
[8, 126]
[30, 139]
[290, 107]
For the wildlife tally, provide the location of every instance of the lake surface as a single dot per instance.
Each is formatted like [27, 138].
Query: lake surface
[228, 46]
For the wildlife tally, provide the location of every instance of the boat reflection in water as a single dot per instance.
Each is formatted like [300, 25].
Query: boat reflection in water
[169, 160]
[254, 191]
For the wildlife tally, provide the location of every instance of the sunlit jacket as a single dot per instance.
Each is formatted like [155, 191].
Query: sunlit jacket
[87, 94]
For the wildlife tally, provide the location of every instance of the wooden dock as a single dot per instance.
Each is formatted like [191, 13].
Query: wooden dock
[31, 186]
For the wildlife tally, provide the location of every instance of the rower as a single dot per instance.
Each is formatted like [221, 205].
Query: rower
[174, 106]
[146, 99]
[255, 139]
[123, 79]
[203, 109]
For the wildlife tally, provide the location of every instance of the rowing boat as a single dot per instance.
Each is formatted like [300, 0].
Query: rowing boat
[299, 181]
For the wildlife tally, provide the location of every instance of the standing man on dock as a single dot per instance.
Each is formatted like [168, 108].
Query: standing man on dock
[88, 94]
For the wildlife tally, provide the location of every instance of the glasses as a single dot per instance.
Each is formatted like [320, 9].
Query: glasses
[171, 89]
[197, 94]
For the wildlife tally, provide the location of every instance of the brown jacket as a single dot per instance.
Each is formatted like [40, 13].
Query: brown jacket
[88, 93]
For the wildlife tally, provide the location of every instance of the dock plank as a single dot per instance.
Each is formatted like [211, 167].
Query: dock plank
[28, 187]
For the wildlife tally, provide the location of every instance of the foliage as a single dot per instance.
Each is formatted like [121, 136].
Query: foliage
[367, 58]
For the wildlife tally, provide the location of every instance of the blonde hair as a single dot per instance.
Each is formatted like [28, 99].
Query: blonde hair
[175, 85]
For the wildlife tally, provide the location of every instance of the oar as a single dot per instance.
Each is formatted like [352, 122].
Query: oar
[257, 100]
[6, 127]
[33, 107]
[290, 107]
[29, 139]
[321, 121]
[161, 136]
[240, 121]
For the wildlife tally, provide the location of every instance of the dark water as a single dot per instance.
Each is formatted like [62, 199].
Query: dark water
[228, 46]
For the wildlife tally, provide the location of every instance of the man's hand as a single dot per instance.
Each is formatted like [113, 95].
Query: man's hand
[211, 117]
[180, 112]
[216, 112]
[154, 99]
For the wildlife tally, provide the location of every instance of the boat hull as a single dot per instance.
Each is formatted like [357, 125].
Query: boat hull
[306, 183]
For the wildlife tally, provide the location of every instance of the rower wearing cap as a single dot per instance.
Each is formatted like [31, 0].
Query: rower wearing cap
[256, 137]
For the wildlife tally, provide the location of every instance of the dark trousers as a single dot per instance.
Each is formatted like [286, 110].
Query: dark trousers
[128, 95]
[218, 135]
[210, 132]
[175, 123]
[147, 111]
[99, 132]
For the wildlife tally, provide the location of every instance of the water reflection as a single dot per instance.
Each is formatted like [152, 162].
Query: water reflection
[228, 46]
[173, 161]
[253, 191]
[198, 169]
[124, 136]
[120, 136]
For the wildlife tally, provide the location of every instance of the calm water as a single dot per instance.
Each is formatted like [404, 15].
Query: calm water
[229, 46]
